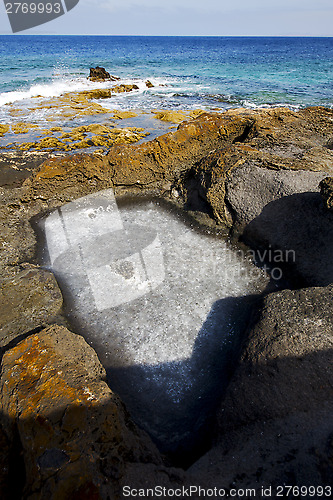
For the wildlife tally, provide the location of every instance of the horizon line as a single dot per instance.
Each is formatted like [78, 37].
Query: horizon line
[166, 36]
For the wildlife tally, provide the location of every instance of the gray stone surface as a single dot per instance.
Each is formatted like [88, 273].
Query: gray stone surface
[283, 210]
[326, 189]
[275, 424]
[250, 189]
[29, 300]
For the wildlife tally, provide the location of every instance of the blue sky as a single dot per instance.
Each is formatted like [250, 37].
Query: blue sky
[191, 17]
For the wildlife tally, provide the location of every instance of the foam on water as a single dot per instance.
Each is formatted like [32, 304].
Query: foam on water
[163, 305]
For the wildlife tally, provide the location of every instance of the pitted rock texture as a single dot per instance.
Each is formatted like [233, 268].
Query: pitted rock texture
[283, 211]
[276, 420]
[29, 300]
[75, 434]
[275, 423]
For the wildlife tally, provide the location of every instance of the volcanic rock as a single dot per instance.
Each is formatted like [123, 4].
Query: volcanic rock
[124, 88]
[326, 189]
[75, 435]
[282, 211]
[275, 417]
[100, 74]
[28, 301]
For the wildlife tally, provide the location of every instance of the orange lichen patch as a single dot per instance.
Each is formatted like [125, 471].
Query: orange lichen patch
[54, 168]
[77, 138]
[79, 167]
[32, 376]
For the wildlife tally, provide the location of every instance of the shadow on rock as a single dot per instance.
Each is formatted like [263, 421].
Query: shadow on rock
[299, 223]
[176, 402]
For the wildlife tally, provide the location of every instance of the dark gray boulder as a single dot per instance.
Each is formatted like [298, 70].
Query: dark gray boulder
[275, 424]
[282, 212]
[29, 300]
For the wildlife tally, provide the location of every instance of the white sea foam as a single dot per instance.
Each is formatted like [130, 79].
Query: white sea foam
[59, 87]
[252, 105]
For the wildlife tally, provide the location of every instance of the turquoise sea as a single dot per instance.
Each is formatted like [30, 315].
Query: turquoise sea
[187, 72]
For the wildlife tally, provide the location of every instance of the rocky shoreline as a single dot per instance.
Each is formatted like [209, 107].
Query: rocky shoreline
[252, 175]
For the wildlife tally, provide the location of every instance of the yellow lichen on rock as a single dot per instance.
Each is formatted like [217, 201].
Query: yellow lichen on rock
[3, 129]
[23, 128]
[176, 116]
[121, 115]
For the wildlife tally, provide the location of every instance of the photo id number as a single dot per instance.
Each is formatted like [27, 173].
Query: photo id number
[33, 8]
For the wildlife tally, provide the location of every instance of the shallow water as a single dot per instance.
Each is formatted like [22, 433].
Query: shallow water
[196, 72]
[162, 303]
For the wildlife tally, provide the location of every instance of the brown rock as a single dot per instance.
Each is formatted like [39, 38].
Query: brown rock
[28, 301]
[4, 467]
[100, 74]
[76, 436]
[283, 211]
[17, 238]
[124, 88]
[149, 84]
[326, 189]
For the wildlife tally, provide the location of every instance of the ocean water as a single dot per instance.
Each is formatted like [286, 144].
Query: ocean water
[188, 72]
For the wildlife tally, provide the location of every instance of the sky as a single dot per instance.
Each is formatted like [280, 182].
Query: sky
[190, 18]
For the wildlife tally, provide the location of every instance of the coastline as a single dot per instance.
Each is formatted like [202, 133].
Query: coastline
[254, 175]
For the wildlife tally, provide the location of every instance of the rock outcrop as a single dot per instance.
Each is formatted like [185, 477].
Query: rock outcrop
[276, 414]
[100, 74]
[119, 89]
[255, 175]
[75, 436]
[326, 189]
[281, 211]
[264, 139]
[29, 300]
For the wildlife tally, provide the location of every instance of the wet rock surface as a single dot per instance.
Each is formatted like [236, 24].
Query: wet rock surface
[275, 422]
[130, 280]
